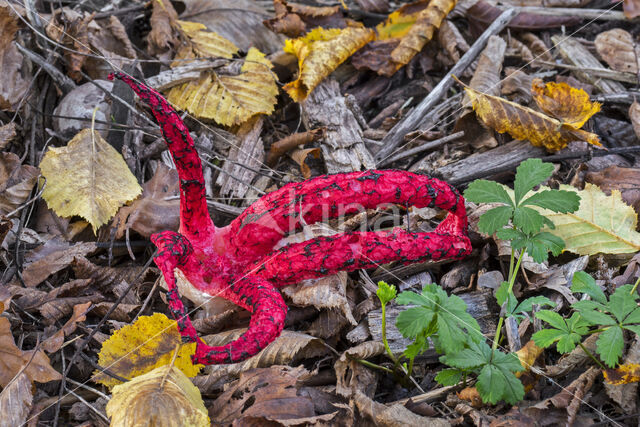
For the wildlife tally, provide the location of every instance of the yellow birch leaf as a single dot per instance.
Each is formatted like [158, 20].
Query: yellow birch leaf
[602, 223]
[524, 123]
[138, 348]
[427, 22]
[623, 374]
[400, 21]
[205, 43]
[88, 178]
[570, 105]
[320, 52]
[230, 100]
[163, 397]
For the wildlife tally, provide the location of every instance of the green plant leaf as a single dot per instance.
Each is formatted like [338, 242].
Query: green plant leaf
[528, 220]
[412, 321]
[530, 173]
[597, 318]
[555, 200]
[566, 333]
[609, 345]
[417, 347]
[449, 376]
[621, 304]
[484, 191]
[539, 245]
[385, 292]
[527, 305]
[584, 283]
[495, 219]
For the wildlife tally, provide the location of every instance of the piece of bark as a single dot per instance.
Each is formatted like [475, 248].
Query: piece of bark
[239, 168]
[577, 55]
[343, 147]
[466, 169]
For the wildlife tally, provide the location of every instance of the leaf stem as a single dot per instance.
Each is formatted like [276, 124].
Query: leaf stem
[373, 365]
[513, 272]
[588, 353]
[635, 286]
[384, 333]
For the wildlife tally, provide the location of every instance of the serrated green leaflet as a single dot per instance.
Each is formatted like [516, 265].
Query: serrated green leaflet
[483, 191]
[530, 173]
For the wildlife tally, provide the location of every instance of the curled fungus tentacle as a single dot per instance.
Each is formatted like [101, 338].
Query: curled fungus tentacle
[238, 262]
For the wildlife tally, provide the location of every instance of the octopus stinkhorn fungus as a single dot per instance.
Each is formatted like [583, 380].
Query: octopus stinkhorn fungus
[239, 263]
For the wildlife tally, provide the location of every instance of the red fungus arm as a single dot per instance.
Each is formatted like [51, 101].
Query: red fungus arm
[195, 222]
[252, 293]
[255, 232]
[350, 251]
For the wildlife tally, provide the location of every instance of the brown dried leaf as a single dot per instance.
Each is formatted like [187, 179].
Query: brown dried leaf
[393, 414]
[54, 342]
[537, 47]
[570, 105]
[271, 393]
[626, 180]
[13, 360]
[15, 82]
[300, 155]
[16, 401]
[38, 271]
[347, 366]
[16, 182]
[427, 22]
[290, 142]
[289, 346]
[162, 36]
[326, 293]
[152, 212]
[482, 14]
[631, 8]
[320, 52]
[294, 19]
[451, 40]
[7, 133]
[524, 123]
[71, 28]
[634, 115]
[619, 50]
[378, 6]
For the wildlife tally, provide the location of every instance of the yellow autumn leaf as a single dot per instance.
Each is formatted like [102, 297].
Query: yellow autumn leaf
[164, 397]
[88, 178]
[524, 123]
[602, 223]
[138, 348]
[230, 100]
[570, 105]
[624, 374]
[400, 21]
[204, 43]
[427, 22]
[320, 52]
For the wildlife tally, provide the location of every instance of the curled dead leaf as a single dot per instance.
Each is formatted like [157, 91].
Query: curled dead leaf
[300, 155]
[524, 123]
[162, 35]
[320, 52]
[634, 115]
[427, 22]
[294, 19]
[202, 43]
[54, 342]
[16, 181]
[163, 397]
[290, 142]
[570, 105]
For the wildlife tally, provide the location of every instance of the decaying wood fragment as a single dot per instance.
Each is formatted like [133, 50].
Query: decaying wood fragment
[343, 147]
